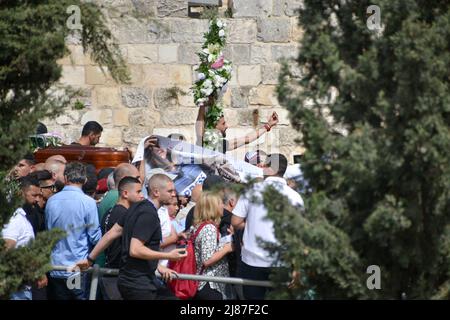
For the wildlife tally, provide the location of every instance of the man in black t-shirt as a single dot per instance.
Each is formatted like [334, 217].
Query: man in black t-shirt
[130, 192]
[141, 236]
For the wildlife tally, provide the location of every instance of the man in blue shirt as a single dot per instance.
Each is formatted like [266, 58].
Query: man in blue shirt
[75, 213]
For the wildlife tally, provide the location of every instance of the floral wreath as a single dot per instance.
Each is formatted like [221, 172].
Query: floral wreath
[213, 74]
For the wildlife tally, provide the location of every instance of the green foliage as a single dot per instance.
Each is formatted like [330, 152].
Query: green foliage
[32, 38]
[78, 105]
[374, 112]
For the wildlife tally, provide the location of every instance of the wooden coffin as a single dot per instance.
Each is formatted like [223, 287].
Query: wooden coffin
[99, 157]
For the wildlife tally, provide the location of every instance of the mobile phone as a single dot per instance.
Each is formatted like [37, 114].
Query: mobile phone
[181, 246]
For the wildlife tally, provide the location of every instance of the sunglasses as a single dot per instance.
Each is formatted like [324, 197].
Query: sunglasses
[52, 187]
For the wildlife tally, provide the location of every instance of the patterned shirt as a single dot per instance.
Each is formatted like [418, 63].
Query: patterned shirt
[206, 244]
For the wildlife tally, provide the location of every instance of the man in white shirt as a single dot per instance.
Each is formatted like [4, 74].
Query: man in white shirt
[251, 214]
[19, 231]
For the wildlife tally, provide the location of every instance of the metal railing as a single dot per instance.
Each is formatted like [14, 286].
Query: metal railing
[97, 272]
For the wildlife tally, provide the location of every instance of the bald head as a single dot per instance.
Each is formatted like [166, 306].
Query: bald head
[124, 170]
[57, 157]
[56, 168]
[158, 182]
[39, 166]
[161, 189]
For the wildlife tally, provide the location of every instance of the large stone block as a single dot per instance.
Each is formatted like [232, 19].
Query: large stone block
[68, 117]
[134, 97]
[280, 52]
[168, 53]
[186, 97]
[263, 95]
[166, 75]
[297, 31]
[187, 53]
[128, 29]
[241, 31]
[107, 96]
[240, 54]
[136, 74]
[179, 117]
[270, 73]
[166, 98]
[102, 116]
[134, 134]
[239, 97]
[76, 57]
[274, 30]
[252, 8]
[261, 54]
[98, 75]
[188, 30]
[73, 75]
[142, 53]
[288, 136]
[231, 117]
[249, 75]
[292, 7]
[120, 117]
[111, 137]
[172, 8]
[144, 117]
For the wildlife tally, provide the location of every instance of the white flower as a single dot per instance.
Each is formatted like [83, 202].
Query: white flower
[201, 76]
[221, 33]
[206, 50]
[211, 58]
[207, 92]
[207, 83]
[219, 24]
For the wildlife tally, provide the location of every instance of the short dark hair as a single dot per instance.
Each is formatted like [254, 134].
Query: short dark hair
[214, 183]
[91, 127]
[41, 128]
[42, 175]
[27, 181]
[124, 182]
[75, 172]
[277, 162]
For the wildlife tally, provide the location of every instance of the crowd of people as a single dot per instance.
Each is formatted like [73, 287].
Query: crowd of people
[132, 217]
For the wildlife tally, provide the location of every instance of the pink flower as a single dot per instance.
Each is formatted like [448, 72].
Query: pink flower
[218, 64]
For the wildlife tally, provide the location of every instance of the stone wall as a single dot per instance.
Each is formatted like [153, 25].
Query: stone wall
[159, 42]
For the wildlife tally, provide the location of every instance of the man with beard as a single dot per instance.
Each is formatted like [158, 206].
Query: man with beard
[19, 231]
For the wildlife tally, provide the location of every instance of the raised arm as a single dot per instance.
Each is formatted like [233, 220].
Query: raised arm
[238, 142]
[200, 125]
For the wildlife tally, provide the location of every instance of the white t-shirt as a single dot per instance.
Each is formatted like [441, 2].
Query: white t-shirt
[18, 229]
[257, 226]
[166, 230]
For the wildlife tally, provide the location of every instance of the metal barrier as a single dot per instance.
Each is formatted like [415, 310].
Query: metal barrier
[97, 271]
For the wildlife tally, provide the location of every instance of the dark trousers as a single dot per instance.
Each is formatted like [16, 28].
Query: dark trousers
[254, 273]
[160, 293]
[208, 294]
[109, 289]
[57, 289]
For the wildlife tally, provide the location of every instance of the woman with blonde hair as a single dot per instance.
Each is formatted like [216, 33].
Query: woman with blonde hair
[210, 255]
